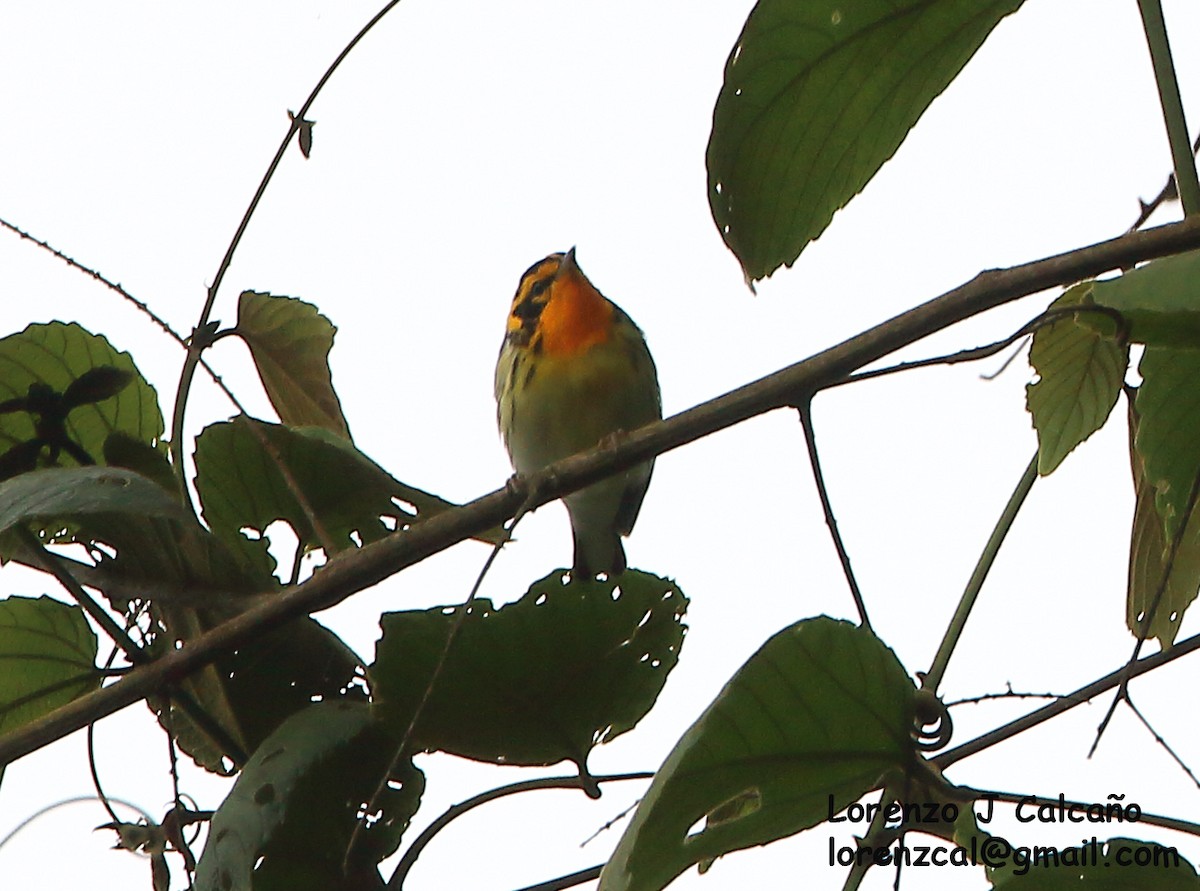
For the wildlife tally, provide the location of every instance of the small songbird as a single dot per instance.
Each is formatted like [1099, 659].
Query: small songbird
[573, 370]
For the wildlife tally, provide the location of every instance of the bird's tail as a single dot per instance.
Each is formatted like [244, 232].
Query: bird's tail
[598, 552]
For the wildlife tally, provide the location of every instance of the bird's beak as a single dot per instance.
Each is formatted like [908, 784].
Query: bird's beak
[568, 260]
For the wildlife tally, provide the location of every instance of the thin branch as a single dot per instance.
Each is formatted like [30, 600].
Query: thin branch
[814, 461]
[1010, 693]
[296, 122]
[353, 571]
[1169, 192]
[570, 881]
[49, 564]
[453, 813]
[1083, 694]
[1162, 742]
[932, 679]
[974, 354]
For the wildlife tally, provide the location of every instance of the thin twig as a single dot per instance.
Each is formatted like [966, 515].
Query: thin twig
[454, 812]
[1169, 192]
[1010, 693]
[1162, 742]
[814, 461]
[569, 881]
[1083, 694]
[1043, 320]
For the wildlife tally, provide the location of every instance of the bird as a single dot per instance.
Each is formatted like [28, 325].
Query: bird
[574, 370]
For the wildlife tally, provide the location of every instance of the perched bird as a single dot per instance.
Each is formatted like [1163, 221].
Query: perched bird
[573, 370]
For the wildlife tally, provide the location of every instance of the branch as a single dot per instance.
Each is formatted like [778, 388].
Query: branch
[1116, 678]
[351, 572]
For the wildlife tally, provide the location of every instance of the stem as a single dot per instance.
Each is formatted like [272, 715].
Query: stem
[456, 811]
[194, 350]
[933, 677]
[1172, 105]
[814, 461]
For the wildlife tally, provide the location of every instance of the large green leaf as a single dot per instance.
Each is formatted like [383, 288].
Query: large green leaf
[536, 681]
[1117, 864]
[289, 818]
[81, 491]
[814, 720]
[1080, 373]
[47, 658]
[817, 96]
[290, 342]
[1159, 300]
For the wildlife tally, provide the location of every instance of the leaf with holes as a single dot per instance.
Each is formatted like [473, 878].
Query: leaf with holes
[290, 816]
[816, 98]
[813, 721]
[48, 654]
[1080, 373]
[290, 342]
[537, 681]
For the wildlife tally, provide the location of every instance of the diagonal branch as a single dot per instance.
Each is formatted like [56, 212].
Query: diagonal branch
[354, 571]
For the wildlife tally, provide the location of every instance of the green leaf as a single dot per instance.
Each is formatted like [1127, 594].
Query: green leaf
[1160, 301]
[253, 690]
[289, 818]
[1112, 865]
[816, 98]
[536, 681]
[47, 658]
[1168, 434]
[241, 486]
[290, 343]
[79, 491]
[57, 356]
[1148, 555]
[813, 721]
[1080, 374]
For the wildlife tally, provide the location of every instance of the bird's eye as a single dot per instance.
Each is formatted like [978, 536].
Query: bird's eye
[539, 287]
[527, 309]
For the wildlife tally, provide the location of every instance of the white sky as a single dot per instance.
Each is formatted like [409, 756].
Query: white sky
[461, 142]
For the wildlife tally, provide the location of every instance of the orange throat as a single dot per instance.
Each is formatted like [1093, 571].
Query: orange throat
[575, 318]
